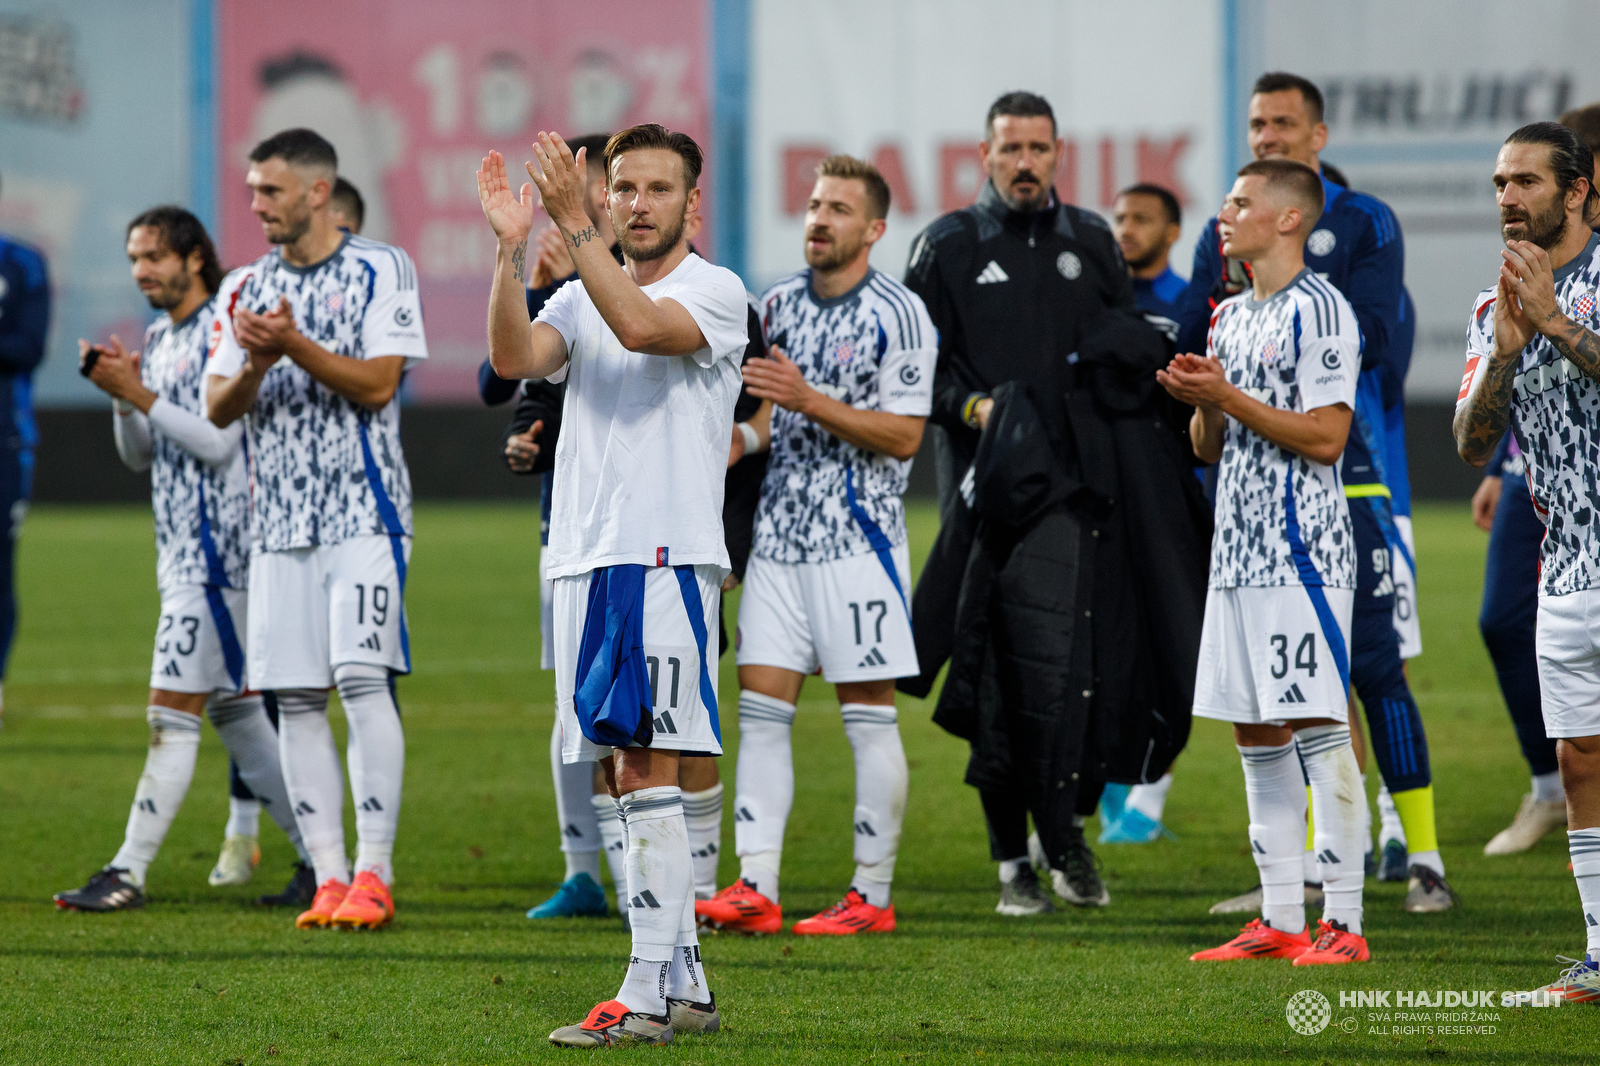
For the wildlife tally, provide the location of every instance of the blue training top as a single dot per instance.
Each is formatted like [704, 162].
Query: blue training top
[1159, 295]
[24, 324]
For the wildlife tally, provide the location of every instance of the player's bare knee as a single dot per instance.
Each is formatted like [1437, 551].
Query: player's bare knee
[772, 681]
[188, 702]
[1262, 734]
[877, 693]
[1579, 759]
[697, 773]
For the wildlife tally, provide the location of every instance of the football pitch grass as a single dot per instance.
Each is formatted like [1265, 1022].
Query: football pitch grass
[202, 976]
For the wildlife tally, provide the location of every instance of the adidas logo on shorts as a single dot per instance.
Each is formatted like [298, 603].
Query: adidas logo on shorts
[171, 669]
[371, 643]
[874, 658]
[1294, 695]
[665, 724]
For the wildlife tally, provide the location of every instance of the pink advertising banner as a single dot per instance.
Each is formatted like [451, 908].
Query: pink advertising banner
[413, 93]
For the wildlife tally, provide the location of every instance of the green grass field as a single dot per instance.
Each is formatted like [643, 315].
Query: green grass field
[202, 976]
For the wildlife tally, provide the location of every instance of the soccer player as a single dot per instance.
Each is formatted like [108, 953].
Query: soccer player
[201, 498]
[1357, 247]
[850, 381]
[1533, 364]
[239, 855]
[1273, 400]
[1147, 221]
[312, 340]
[24, 327]
[649, 350]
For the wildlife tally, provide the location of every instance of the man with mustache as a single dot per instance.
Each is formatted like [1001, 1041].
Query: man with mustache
[1533, 365]
[847, 388]
[1010, 283]
[637, 557]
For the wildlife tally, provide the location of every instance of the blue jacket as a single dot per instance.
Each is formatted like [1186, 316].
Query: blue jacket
[1358, 247]
[24, 324]
[1159, 295]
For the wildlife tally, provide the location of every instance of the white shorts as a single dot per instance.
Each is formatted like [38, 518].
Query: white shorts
[199, 645]
[1272, 655]
[312, 609]
[683, 722]
[547, 618]
[1567, 642]
[1407, 620]
[843, 615]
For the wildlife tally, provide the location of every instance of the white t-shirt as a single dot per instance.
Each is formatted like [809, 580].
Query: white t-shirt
[644, 438]
[322, 468]
[1281, 519]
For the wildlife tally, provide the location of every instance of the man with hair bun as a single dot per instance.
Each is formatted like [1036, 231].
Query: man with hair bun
[1273, 398]
[1533, 365]
[846, 391]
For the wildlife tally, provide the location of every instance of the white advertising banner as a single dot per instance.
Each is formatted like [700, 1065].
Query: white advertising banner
[1137, 90]
[1420, 96]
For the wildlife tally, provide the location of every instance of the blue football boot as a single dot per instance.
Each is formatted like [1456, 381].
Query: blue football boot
[1112, 802]
[1134, 827]
[578, 897]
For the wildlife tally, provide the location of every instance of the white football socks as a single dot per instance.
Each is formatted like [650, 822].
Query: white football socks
[1276, 799]
[1547, 788]
[1151, 800]
[661, 888]
[1330, 763]
[575, 813]
[377, 757]
[763, 788]
[168, 769]
[613, 842]
[1584, 846]
[314, 779]
[702, 816]
[246, 731]
[1389, 827]
[882, 779]
[244, 818]
[686, 980]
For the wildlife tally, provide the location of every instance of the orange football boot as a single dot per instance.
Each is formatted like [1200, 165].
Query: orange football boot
[1258, 940]
[329, 895]
[1334, 944]
[367, 906]
[739, 908]
[850, 915]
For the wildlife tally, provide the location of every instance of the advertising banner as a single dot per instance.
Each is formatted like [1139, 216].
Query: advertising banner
[1136, 89]
[413, 94]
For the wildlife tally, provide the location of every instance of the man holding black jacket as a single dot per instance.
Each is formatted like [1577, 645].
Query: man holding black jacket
[1023, 288]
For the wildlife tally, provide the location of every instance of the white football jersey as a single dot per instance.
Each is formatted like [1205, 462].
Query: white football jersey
[322, 468]
[1281, 519]
[201, 511]
[1555, 414]
[644, 442]
[873, 348]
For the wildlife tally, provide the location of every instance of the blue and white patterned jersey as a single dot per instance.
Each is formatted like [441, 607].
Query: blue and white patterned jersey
[202, 512]
[322, 468]
[1281, 519]
[873, 348]
[1555, 414]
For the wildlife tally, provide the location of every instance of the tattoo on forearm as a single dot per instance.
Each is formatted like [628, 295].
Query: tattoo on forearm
[519, 262]
[1482, 422]
[588, 233]
[1580, 346]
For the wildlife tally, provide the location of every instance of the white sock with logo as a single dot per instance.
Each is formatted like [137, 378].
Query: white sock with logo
[168, 769]
[882, 779]
[763, 788]
[377, 760]
[1276, 799]
[661, 886]
[1330, 763]
[246, 731]
[575, 813]
[702, 815]
[687, 980]
[1584, 847]
[314, 779]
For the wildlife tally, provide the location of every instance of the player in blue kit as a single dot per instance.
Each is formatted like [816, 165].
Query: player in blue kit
[1357, 247]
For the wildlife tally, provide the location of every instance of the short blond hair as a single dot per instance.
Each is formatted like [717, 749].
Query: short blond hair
[848, 166]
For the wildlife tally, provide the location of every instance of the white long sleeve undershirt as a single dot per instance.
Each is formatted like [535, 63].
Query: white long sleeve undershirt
[194, 433]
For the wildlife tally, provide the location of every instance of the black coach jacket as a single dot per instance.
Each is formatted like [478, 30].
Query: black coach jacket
[1067, 585]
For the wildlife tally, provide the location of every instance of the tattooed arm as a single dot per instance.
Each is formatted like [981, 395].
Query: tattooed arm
[641, 324]
[1481, 420]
